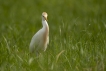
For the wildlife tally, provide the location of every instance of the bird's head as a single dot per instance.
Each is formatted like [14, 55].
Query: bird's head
[44, 16]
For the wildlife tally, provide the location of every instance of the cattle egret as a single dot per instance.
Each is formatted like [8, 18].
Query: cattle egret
[40, 40]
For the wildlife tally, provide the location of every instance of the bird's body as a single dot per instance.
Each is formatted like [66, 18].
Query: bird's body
[40, 40]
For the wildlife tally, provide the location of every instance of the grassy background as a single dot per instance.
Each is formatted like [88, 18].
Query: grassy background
[77, 35]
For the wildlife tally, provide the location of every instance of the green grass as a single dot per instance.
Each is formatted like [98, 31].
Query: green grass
[77, 35]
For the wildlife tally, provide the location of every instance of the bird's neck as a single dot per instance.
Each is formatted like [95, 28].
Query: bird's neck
[45, 24]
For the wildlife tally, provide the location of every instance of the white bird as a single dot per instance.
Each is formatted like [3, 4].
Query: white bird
[40, 40]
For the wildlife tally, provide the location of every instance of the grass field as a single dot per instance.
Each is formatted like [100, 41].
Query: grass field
[77, 35]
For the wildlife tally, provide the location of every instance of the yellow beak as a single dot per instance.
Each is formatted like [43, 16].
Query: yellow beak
[45, 18]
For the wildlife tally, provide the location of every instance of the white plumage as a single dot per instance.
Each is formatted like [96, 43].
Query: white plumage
[40, 40]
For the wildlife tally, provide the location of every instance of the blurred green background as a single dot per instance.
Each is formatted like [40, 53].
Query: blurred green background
[77, 35]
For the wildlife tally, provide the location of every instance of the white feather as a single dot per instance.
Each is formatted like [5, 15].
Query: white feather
[41, 39]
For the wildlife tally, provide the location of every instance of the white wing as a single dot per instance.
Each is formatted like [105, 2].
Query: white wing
[35, 41]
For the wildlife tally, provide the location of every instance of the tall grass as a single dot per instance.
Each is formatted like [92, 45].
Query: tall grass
[77, 35]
